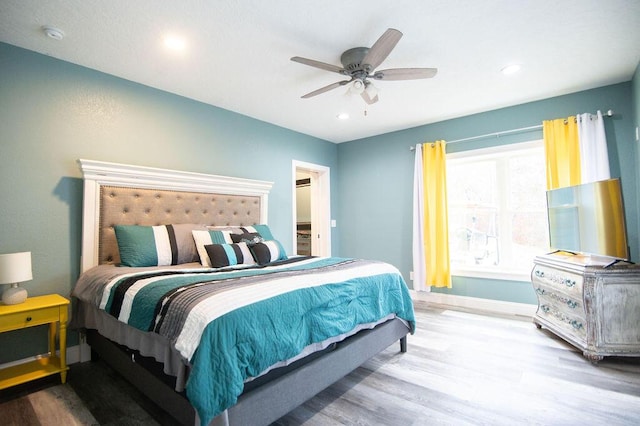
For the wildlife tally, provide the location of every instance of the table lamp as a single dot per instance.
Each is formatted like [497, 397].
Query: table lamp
[15, 268]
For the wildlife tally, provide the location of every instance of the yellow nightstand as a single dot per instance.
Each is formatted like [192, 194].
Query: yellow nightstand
[39, 310]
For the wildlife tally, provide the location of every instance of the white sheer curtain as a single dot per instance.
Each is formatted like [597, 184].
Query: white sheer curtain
[419, 266]
[594, 158]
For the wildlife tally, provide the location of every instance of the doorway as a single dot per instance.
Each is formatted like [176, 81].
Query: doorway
[311, 209]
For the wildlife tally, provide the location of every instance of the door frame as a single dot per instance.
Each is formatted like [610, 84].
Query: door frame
[320, 206]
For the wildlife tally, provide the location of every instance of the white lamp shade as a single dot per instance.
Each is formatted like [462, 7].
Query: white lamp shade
[15, 267]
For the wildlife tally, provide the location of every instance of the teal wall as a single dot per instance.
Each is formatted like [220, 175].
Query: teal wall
[376, 178]
[53, 112]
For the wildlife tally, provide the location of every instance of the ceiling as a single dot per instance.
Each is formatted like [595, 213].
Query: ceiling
[237, 53]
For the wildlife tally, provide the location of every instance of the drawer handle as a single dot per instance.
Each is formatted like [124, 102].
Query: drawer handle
[568, 282]
[577, 325]
[29, 319]
[539, 273]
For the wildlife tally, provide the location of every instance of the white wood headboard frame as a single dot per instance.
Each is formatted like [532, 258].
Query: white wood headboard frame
[98, 173]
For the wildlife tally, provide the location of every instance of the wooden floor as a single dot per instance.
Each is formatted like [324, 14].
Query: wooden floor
[462, 368]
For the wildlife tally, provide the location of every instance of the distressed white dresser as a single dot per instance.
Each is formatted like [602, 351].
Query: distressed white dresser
[593, 307]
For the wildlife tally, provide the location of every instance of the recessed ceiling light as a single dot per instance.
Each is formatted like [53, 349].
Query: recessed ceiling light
[343, 116]
[510, 69]
[52, 32]
[176, 43]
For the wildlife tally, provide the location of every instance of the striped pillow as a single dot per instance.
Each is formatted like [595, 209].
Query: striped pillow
[268, 251]
[205, 238]
[221, 255]
[261, 229]
[248, 237]
[156, 245]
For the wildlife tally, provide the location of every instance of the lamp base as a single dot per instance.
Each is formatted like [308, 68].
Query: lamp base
[14, 295]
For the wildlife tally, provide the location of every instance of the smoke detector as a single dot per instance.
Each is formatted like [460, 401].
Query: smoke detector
[53, 32]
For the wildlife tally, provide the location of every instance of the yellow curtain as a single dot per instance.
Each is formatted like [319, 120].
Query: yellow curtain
[436, 223]
[562, 152]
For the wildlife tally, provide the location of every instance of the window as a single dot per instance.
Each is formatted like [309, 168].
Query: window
[497, 210]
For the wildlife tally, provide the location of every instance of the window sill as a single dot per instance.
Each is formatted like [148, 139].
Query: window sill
[494, 275]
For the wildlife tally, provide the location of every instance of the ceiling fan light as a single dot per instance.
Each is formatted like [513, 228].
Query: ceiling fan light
[357, 87]
[371, 90]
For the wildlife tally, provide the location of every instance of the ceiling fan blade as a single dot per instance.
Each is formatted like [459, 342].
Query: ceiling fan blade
[318, 64]
[369, 100]
[325, 89]
[381, 49]
[404, 74]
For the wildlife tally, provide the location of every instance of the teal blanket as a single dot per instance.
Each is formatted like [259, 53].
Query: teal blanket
[234, 324]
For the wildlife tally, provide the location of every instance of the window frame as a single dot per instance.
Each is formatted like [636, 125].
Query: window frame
[483, 272]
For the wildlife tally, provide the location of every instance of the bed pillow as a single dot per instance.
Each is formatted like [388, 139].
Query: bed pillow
[268, 251]
[248, 237]
[156, 245]
[205, 238]
[221, 255]
[261, 229]
[231, 228]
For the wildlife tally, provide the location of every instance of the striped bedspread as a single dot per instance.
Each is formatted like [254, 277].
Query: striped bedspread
[233, 324]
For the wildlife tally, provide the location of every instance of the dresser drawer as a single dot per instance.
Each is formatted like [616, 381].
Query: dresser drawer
[569, 283]
[18, 320]
[566, 322]
[562, 300]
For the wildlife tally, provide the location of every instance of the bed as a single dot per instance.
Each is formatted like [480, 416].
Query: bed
[185, 291]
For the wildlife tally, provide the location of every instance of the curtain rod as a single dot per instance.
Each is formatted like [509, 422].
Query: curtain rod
[609, 113]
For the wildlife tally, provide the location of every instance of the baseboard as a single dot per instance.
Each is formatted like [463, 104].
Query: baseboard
[474, 303]
[78, 353]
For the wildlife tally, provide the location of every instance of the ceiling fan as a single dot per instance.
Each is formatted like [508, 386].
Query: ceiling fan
[360, 63]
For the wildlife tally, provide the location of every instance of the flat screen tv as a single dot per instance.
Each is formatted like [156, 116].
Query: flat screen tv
[589, 219]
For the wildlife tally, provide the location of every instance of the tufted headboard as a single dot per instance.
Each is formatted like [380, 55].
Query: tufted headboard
[133, 195]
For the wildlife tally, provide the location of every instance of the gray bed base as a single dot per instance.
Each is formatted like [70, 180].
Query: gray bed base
[272, 400]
